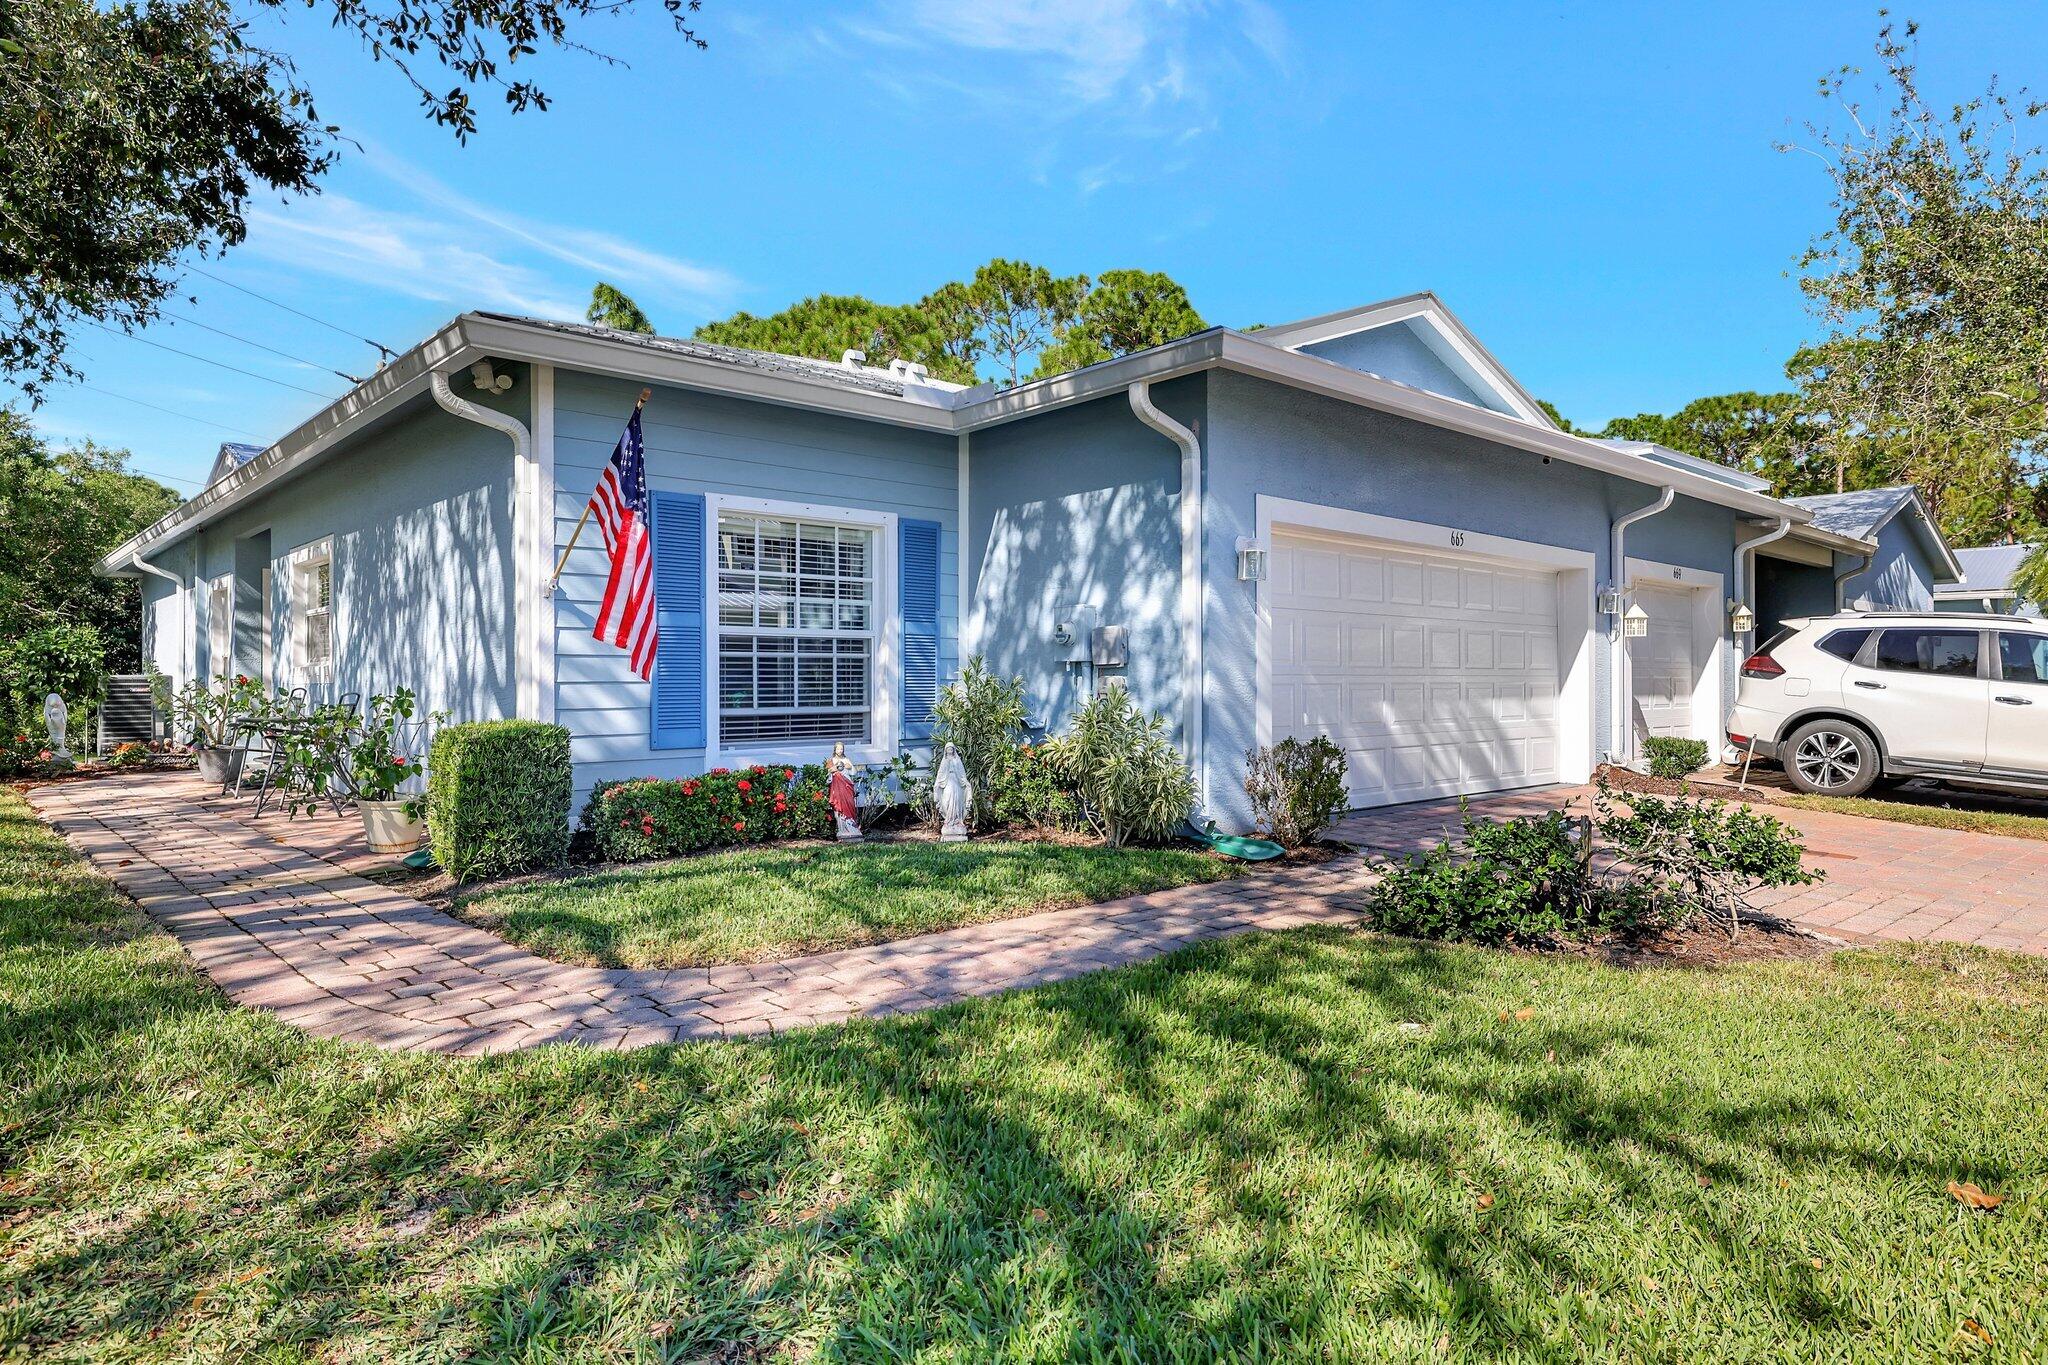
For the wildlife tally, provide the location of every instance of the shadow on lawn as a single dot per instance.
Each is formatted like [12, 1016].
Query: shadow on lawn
[1217, 1153]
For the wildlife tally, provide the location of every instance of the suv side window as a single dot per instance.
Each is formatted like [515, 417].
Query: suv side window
[1950, 653]
[2023, 658]
[1843, 644]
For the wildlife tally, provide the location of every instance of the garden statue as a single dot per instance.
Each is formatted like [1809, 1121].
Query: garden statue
[954, 797]
[56, 715]
[839, 791]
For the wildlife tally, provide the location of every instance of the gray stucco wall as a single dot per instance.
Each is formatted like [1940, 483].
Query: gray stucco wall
[420, 512]
[1080, 506]
[1263, 438]
[706, 443]
[1900, 576]
[1395, 352]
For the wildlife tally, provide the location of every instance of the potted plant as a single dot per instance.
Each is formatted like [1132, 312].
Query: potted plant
[387, 758]
[208, 715]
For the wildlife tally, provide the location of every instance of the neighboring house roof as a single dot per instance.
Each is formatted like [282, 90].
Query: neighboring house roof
[1866, 511]
[1437, 327]
[1987, 570]
[901, 398]
[233, 455]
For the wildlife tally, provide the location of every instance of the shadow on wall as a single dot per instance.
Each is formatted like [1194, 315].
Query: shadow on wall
[1087, 548]
[424, 600]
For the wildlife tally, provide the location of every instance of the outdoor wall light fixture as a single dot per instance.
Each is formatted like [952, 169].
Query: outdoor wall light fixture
[1741, 620]
[1251, 560]
[1636, 624]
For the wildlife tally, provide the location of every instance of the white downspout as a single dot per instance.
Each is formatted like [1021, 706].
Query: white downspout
[1743, 553]
[1192, 690]
[527, 555]
[1623, 737]
[1862, 563]
[184, 644]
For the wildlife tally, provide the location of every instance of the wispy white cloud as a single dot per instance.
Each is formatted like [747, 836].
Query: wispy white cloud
[469, 253]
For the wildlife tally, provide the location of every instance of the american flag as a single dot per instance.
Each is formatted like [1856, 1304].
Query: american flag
[626, 617]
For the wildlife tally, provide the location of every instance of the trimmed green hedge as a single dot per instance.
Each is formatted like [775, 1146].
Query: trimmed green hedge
[498, 797]
[1673, 757]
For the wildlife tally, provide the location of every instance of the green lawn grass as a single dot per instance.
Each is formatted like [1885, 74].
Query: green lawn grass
[758, 904]
[1315, 1146]
[2010, 823]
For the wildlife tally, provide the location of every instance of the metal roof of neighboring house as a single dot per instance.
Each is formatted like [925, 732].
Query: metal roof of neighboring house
[1988, 569]
[1866, 511]
[231, 456]
[900, 397]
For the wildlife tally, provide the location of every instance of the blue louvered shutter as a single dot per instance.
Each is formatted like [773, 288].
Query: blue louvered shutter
[676, 719]
[917, 565]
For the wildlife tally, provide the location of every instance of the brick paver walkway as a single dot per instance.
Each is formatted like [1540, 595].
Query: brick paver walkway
[1885, 880]
[275, 916]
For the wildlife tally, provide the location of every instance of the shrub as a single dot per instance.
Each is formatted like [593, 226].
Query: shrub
[656, 817]
[128, 754]
[207, 715]
[1697, 856]
[498, 797]
[1519, 879]
[67, 660]
[1672, 757]
[1032, 792]
[1296, 789]
[982, 716]
[1132, 782]
[20, 753]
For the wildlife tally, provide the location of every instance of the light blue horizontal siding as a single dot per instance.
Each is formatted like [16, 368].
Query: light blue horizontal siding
[705, 443]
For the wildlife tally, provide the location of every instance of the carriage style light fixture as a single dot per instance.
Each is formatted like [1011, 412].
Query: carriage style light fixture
[1251, 560]
[1741, 620]
[1636, 624]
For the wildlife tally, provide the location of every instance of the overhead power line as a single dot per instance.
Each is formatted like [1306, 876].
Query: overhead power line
[181, 319]
[388, 353]
[170, 412]
[221, 364]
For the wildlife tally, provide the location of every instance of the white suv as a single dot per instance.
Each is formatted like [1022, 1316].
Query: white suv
[1856, 698]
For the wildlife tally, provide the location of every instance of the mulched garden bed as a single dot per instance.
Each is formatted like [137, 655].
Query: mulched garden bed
[1764, 938]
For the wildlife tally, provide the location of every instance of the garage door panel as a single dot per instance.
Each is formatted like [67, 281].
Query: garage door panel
[1662, 669]
[1436, 674]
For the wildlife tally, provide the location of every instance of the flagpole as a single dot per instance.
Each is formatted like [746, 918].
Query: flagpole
[556, 580]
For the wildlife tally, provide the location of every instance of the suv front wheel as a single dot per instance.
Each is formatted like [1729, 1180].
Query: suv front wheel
[1831, 758]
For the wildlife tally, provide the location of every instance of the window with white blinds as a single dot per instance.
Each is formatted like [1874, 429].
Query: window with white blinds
[796, 626]
[312, 580]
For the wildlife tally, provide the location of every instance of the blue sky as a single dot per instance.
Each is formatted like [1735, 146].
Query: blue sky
[1593, 187]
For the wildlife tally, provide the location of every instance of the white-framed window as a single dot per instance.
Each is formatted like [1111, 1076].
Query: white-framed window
[220, 627]
[312, 589]
[802, 636]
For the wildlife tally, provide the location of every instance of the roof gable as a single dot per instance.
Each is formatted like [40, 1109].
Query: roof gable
[233, 455]
[1412, 340]
[1867, 511]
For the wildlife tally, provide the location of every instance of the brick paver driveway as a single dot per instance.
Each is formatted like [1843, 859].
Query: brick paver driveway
[1884, 880]
[275, 916]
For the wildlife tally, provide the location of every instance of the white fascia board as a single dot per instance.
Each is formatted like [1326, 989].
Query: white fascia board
[1834, 540]
[1248, 356]
[511, 341]
[402, 379]
[1929, 532]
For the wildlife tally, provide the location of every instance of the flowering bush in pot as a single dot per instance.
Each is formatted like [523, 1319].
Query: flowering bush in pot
[208, 715]
[386, 757]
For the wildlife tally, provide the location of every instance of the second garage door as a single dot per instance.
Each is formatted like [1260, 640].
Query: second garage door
[1436, 673]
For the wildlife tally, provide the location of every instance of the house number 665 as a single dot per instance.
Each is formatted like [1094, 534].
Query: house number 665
[1457, 538]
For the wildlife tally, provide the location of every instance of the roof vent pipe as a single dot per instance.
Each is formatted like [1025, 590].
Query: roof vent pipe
[853, 359]
[1622, 747]
[1192, 689]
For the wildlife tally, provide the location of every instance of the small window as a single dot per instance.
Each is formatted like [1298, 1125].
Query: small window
[220, 623]
[1843, 644]
[2023, 658]
[1950, 653]
[313, 615]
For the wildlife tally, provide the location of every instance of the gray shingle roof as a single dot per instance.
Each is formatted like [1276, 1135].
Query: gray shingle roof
[800, 367]
[1988, 568]
[1854, 514]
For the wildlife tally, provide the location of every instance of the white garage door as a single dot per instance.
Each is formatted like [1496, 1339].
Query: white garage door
[1437, 674]
[1661, 669]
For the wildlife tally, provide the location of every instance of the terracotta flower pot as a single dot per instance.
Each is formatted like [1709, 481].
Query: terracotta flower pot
[219, 765]
[389, 829]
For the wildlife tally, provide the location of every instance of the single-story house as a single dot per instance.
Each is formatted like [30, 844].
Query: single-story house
[1987, 582]
[1357, 525]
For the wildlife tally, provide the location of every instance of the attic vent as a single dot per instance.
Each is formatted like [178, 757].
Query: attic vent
[853, 359]
[915, 372]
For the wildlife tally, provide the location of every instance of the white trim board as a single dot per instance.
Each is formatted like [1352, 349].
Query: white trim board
[1577, 639]
[1709, 642]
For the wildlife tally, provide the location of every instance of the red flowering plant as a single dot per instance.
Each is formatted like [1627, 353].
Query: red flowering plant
[652, 817]
[387, 751]
[18, 754]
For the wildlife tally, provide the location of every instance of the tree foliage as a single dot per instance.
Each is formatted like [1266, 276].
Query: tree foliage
[1009, 321]
[1766, 434]
[62, 510]
[132, 137]
[1932, 284]
[610, 308]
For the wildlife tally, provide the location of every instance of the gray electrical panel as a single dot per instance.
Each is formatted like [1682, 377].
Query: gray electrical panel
[1110, 646]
